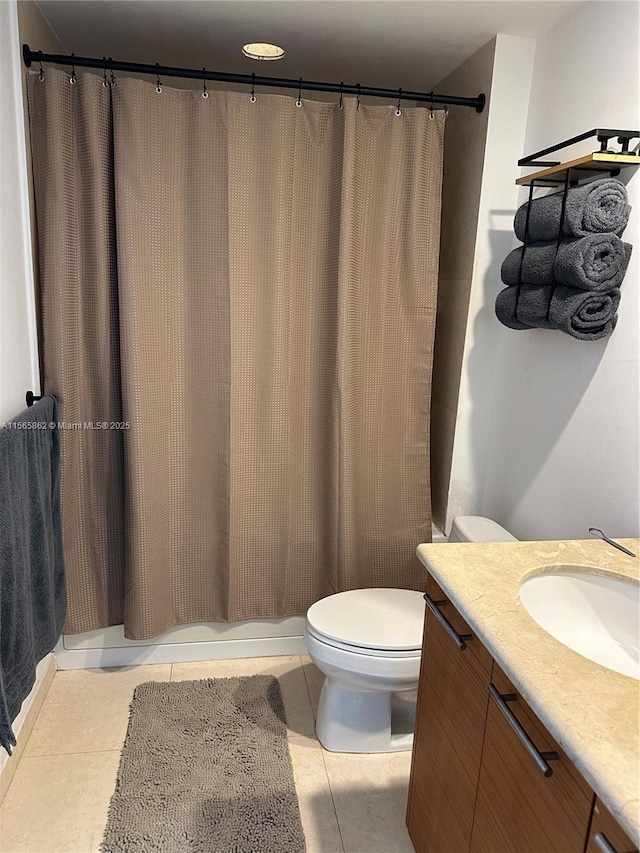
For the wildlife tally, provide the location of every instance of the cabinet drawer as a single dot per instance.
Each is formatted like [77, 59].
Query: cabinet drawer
[539, 734]
[451, 713]
[479, 658]
[606, 834]
[519, 808]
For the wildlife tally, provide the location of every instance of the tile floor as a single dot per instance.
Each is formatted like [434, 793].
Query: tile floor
[58, 799]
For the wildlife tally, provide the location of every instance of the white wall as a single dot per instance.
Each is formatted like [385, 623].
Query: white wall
[561, 451]
[18, 339]
[508, 109]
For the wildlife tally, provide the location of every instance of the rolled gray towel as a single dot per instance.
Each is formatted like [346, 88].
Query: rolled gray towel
[597, 262]
[582, 314]
[596, 208]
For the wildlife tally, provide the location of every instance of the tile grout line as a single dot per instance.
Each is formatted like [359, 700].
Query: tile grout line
[67, 754]
[306, 681]
[333, 802]
[324, 763]
[23, 754]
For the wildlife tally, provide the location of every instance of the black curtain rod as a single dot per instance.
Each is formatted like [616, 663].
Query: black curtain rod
[30, 56]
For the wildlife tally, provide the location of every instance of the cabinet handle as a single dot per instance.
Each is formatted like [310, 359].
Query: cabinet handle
[460, 640]
[602, 843]
[540, 758]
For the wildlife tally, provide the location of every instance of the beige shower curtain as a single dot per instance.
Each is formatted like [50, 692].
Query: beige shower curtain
[244, 294]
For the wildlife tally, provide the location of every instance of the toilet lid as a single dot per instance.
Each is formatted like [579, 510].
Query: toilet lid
[385, 619]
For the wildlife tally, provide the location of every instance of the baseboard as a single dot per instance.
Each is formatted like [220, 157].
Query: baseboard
[178, 652]
[24, 722]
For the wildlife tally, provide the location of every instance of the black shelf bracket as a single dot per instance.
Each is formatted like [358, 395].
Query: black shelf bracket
[604, 137]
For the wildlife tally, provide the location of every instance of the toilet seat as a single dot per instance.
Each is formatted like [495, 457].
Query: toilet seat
[381, 622]
[362, 650]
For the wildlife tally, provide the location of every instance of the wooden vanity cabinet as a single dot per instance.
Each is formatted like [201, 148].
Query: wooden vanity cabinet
[519, 808]
[486, 775]
[606, 835]
[449, 731]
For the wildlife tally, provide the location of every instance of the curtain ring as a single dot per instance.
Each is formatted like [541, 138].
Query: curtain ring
[73, 79]
[340, 101]
[105, 82]
[253, 98]
[358, 96]
[398, 110]
[205, 94]
[158, 81]
[41, 74]
[431, 107]
[299, 101]
[113, 77]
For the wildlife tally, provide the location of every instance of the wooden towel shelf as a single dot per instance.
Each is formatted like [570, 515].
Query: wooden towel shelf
[595, 162]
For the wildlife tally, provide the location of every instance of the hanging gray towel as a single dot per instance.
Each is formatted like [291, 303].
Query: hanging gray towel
[597, 262]
[595, 208]
[32, 590]
[582, 314]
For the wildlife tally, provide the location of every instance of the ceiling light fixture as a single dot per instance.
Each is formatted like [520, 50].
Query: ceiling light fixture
[260, 50]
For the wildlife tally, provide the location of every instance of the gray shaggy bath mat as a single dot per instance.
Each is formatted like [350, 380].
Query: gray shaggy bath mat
[205, 767]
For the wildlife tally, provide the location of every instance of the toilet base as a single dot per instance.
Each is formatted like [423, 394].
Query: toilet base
[356, 720]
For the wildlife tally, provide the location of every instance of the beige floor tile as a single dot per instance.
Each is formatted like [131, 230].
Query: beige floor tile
[58, 804]
[58, 801]
[317, 811]
[88, 710]
[370, 797]
[30, 712]
[315, 680]
[288, 671]
[235, 667]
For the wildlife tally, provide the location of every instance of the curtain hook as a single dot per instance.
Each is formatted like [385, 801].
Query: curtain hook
[253, 98]
[358, 96]
[205, 94]
[113, 78]
[158, 81]
[41, 74]
[398, 110]
[105, 82]
[431, 107]
[73, 79]
[299, 101]
[340, 101]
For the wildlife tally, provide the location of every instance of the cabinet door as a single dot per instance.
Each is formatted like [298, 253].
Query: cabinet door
[606, 835]
[450, 720]
[519, 809]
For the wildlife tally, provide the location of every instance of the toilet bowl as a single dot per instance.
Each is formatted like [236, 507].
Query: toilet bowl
[368, 643]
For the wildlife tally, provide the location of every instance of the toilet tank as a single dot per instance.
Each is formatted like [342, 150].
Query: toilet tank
[475, 528]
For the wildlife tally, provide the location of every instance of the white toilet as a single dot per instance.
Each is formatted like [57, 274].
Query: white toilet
[475, 528]
[368, 642]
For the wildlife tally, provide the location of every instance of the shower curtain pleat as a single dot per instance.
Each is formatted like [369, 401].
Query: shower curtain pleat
[71, 142]
[251, 287]
[171, 191]
[386, 314]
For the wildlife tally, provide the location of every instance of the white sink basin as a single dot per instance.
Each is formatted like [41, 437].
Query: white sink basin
[597, 616]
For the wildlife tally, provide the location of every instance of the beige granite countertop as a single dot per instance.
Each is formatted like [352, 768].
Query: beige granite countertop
[592, 712]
